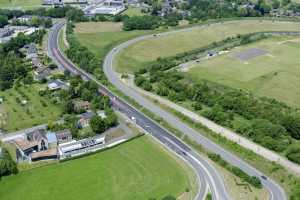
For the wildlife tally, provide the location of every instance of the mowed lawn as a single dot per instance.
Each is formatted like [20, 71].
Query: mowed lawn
[137, 170]
[100, 37]
[20, 4]
[38, 110]
[276, 74]
[148, 50]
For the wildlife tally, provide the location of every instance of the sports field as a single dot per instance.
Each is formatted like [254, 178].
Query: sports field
[100, 37]
[275, 73]
[20, 4]
[37, 110]
[137, 170]
[134, 56]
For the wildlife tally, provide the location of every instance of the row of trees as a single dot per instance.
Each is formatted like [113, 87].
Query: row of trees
[141, 23]
[83, 57]
[253, 180]
[266, 121]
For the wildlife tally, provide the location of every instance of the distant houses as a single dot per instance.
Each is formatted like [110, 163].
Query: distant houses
[57, 84]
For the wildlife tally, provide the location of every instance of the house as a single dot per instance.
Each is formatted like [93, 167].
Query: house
[80, 105]
[56, 85]
[36, 145]
[53, 3]
[101, 113]
[63, 136]
[36, 62]
[31, 51]
[5, 32]
[84, 119]
[52, 140]
[25, 18]
[44, 155]
[82, 146]
[41, 73]
[111, 7]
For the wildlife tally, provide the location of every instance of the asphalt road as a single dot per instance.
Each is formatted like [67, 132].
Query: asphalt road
[207, 174]
[209, 178]
[276, 192]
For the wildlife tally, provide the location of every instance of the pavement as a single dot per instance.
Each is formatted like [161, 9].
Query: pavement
[208, 177]
[207, 174]
[225, 132]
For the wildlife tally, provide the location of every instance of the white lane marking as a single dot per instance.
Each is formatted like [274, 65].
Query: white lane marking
[207, 172]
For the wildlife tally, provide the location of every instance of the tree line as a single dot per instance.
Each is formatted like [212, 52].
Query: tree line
[266, 121]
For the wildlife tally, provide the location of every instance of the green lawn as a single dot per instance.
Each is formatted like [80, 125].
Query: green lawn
[100, 37]
[131, 11]
[148, 50]
[20, 4]
[14, 116]
[138, 170]
[276, 74]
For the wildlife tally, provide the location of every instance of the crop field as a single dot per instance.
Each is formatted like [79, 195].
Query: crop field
[20, 4]
[100, 37]
[275, 73]
[136, 170]
[148, 50]
[37, 110]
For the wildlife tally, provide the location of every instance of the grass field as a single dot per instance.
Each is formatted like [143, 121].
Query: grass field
[20, 4]
[131, 11]
[134, 56]
[100, 37]
[137, 170]
[14, 116]
[275, 74]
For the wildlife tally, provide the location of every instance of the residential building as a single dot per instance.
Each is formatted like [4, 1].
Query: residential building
[84, 120]
[63, 136]
[56, 85]
[41, 73]
[80, 105]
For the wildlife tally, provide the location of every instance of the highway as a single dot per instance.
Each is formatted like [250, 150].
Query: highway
[209, 178]
[207, 174]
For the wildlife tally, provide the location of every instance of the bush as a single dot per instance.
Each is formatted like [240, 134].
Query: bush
[293, 153]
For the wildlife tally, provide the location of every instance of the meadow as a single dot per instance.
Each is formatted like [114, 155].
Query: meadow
[135, 56]
[100, 37]
[139, 169]
[275, 74]
[20, 4]
[37, 110]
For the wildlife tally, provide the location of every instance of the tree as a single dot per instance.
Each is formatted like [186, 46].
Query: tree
[292, 124]
[3, 21]
[7, 165]
[97, 124]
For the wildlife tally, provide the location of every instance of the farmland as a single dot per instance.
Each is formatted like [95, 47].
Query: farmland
[37, 110]
[100, 37]
[139, 169]
[136, 55]
[275, 74]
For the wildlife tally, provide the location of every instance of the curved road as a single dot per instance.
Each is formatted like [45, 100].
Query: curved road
[207, 175]
[276, 192]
